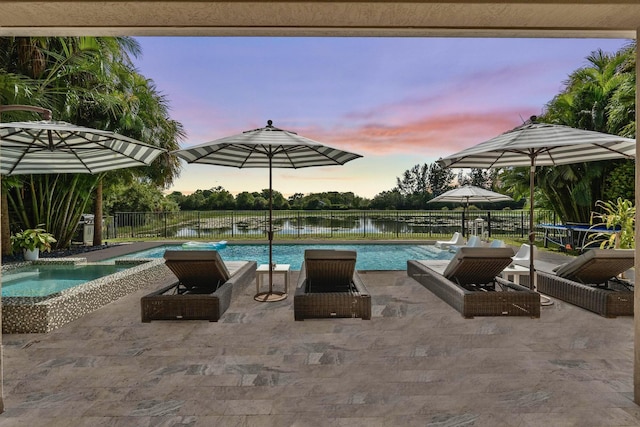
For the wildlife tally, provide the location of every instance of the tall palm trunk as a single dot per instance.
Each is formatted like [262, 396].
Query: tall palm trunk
[4, 225]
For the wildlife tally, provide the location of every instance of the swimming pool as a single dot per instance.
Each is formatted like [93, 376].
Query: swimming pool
[370, 256]
[49, 279]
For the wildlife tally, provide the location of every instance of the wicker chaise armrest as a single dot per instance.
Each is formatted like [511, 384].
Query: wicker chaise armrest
[359, 285]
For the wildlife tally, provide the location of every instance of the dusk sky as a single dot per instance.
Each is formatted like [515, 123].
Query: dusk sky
[396, 101]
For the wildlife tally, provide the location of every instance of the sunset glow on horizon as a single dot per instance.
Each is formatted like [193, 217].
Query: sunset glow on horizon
[396, 101]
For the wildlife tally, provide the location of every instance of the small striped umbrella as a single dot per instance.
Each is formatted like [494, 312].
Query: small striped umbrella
[57, 147]
[470, 193]
[541, 144]
[267, 147]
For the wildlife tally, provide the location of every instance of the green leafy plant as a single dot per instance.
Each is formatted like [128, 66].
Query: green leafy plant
[31, 239]
[620, 216]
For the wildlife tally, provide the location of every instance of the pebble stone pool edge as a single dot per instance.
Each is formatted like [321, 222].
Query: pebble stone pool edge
[44, 314]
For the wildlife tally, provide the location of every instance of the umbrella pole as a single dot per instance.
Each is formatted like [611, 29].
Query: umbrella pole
[270, 234]
[532, 235]
[270, 295]
[544, 300]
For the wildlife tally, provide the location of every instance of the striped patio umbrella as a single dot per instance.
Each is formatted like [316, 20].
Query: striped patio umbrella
[267, 147]
[470, 194]
[57, 147]
[541, 144]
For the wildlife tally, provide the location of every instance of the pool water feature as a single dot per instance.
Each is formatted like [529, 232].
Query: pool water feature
[37, 311]
[370, 256]
[47, 279]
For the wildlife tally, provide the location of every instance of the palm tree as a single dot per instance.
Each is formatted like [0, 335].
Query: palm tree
[88, 81]
[599, 97]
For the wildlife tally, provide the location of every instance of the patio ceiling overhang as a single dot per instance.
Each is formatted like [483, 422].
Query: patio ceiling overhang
[471, 18]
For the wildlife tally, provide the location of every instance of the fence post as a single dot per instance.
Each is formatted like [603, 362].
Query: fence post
[521, 224]
[464, 229]
[331, 224]
[397, 224]
[489, 223]
[166, 232]
[364, 224]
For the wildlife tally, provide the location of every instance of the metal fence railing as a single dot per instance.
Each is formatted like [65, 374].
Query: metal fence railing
[313, 224]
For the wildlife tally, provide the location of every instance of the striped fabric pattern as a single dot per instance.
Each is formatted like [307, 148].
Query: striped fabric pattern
[548, 144]
[470, 193]
[59, 147]
[253, 149]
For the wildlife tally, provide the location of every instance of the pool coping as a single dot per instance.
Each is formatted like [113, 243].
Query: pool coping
[44, 314]
[129, 249]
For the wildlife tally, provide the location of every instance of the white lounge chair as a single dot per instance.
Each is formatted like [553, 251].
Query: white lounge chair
[456, 239]
[523, 255]
[473, 242]
[497, 243]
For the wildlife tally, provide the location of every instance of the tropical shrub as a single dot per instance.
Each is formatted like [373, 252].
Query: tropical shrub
[621, 216]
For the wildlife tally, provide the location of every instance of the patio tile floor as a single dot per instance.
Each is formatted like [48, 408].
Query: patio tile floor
[417, 362]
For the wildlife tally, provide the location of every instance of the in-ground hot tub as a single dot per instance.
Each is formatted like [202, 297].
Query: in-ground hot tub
[35, 311]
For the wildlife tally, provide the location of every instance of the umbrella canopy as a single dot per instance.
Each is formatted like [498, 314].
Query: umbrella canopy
[267, 147]
[541, 144]
[58, 147]
[470, 193]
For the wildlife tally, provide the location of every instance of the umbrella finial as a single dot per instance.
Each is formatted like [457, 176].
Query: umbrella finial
[269, 123]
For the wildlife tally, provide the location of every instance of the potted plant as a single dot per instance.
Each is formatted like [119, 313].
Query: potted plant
[31, 242]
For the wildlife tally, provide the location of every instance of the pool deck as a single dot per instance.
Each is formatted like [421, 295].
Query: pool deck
[417, 362]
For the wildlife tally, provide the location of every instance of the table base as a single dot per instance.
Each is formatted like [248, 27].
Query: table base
[271, 296]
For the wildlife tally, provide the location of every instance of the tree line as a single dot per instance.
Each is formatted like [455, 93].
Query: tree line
[92, 81]
[413, 190]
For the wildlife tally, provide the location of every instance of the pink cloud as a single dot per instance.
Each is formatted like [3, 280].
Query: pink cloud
[433, 135]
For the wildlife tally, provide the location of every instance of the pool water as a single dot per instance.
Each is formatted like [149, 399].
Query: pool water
[370, 257]
[44, 280]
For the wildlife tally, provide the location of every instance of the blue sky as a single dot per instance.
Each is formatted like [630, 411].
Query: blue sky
[396, 101]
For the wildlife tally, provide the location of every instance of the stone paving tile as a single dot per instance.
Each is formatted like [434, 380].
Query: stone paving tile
[417, 362]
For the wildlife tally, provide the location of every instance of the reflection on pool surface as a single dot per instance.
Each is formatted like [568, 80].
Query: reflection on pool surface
[43, 280]
[370, 256]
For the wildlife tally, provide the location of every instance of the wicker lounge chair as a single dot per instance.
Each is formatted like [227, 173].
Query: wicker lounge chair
[469, 283]
[204, 288]
[589, 281]
[329, 286]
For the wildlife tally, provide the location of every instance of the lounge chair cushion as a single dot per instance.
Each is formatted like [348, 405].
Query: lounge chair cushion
[197, 271]
[477, 265]
[329, 270]
[596, 266]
